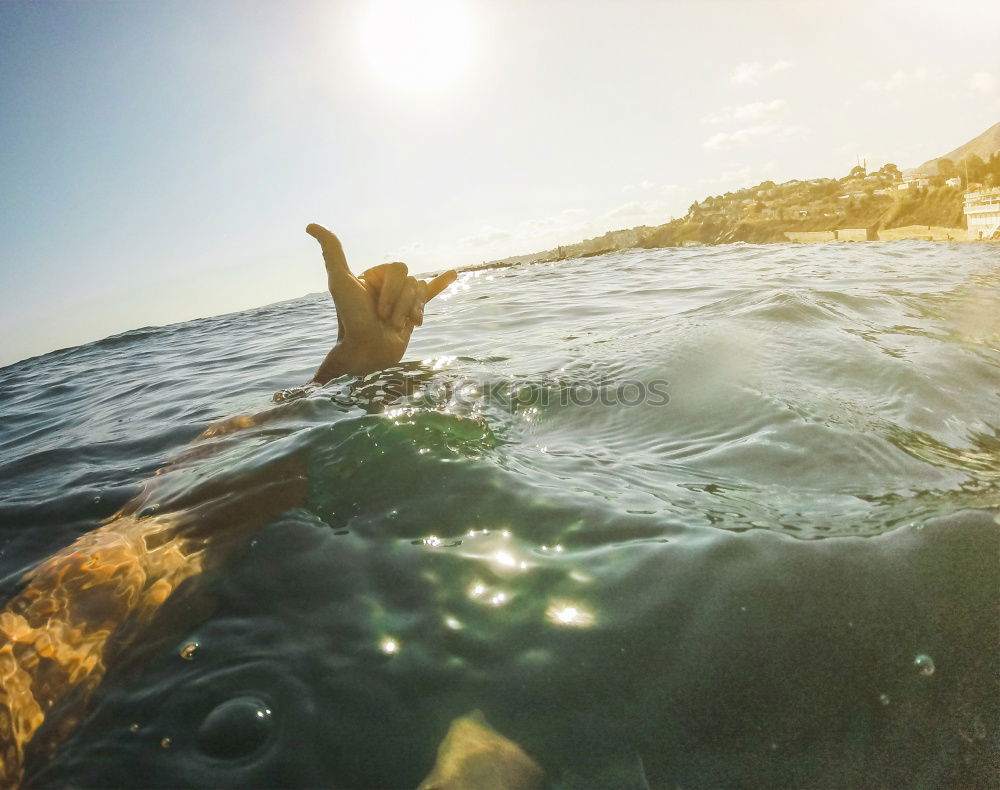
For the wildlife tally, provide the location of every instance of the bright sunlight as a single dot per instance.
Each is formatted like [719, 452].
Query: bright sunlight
[420, 46]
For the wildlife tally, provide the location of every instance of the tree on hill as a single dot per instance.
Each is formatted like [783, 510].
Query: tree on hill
[992, 176]
[946, 168]
[826, 189]
[857, 172]
[889, 169]
[972, 168]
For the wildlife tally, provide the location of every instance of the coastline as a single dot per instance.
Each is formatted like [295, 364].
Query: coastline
[961, 237]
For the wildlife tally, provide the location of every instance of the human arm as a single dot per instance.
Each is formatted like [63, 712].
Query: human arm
[59, 630]
[376, 312]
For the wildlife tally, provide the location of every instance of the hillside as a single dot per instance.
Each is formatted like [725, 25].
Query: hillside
[868, 203]
[767, 212]
[984, 146]
[878, 201]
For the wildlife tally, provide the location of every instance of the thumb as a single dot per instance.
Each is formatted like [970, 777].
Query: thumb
[333, 252]
[348, 294]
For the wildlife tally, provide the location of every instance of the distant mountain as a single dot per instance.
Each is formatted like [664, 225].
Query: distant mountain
[987, 144]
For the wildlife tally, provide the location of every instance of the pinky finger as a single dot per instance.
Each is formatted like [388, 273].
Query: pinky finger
[439, 283]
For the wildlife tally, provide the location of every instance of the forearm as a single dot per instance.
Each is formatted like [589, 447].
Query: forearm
[55, 633]
[55, 630]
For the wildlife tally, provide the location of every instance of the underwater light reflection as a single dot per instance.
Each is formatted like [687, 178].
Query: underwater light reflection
[570, 615]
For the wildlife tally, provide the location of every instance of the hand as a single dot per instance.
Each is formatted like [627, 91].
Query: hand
[376, 312]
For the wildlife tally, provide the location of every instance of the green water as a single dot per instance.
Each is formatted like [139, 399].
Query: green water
[695, 518]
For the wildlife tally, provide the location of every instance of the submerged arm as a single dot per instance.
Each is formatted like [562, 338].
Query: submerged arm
[56, 631]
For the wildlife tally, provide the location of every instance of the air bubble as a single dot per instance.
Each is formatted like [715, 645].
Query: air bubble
[925, 664]
[235, 728]
[187, 652]
[165, 743]
[884, 699]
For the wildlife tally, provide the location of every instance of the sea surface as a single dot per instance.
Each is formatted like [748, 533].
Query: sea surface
[698, 518]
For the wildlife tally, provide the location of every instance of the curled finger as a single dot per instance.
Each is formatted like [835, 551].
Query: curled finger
[403, 308]
[393, 279]
[417, 314]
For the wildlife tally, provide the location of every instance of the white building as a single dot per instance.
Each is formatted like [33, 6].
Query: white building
[982, 213]
[915, 180]
[955, 181]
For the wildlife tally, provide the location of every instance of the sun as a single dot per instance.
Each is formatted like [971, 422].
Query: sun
[420, 46]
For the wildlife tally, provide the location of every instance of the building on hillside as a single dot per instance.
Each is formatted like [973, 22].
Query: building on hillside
[855, 234]
[954, 181]
[628, 238]
[982, 213]
[923, 233]
[810, 236]
[841, 234]
[915, 180]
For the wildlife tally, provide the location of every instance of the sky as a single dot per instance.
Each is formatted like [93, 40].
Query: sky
[160, 160]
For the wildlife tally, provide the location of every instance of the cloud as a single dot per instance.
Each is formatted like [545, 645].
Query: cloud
[754, 111]
[568, 218]
[742, 175]
[651, 188]
[983, 82]
[643, 186]
[564, 217]
[895, 81]
[741, 138]
[487, 236]
[754, 72]
[637, 208]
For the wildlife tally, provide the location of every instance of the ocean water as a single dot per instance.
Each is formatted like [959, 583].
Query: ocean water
[711, 517]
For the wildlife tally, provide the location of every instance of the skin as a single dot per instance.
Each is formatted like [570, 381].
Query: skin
[377, 311]
[78, 607]
[473, 754]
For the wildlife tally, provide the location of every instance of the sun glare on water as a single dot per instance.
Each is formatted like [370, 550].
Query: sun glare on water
[421, 46]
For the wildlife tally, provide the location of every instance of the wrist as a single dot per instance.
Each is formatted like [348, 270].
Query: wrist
[337, 363]
[350, 359]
